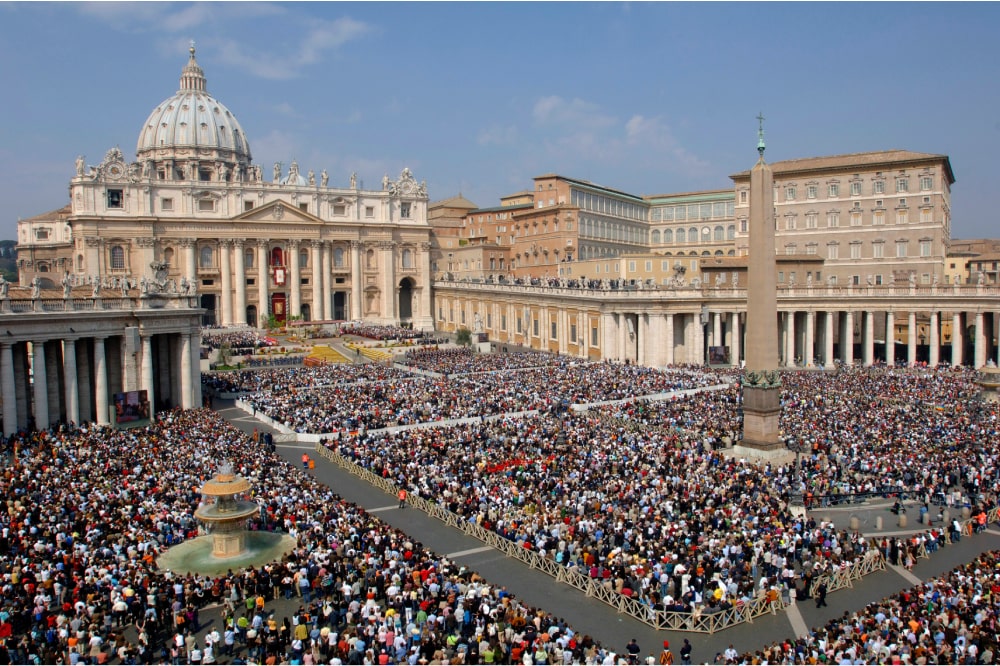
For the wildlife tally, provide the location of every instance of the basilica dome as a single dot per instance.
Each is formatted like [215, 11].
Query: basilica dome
[193, 125]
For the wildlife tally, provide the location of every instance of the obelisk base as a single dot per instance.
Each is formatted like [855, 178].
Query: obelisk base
[761, 413]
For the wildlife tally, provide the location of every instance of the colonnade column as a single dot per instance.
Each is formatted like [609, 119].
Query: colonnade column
[979, 349]
[735, 335]
[668, 335]
[100, 382]
[828, 338]
[956, 339]
[934, 353]
[389, 284]
[195, 346]
[240, 313]
[622, 336]
[186, 396]
[717, 339]
[294, 275]
[563, 332]
[868, 348]
[608, 337]
[808, 354]
[847, 339]
[583, 336]
[148, 380]
[41, 410]
[911, 339]
[890, 338]
[790, 339]
[263, 307]
[225, 272]
[9, 388]
[71, 381]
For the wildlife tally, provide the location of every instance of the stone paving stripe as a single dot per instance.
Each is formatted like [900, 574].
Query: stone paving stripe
[394, 507]
[471, 551]
[908, 575]
[799, 625]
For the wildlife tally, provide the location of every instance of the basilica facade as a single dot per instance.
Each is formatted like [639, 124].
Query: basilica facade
[193, 203]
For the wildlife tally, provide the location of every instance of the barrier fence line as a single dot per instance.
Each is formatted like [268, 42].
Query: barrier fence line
[696, 621]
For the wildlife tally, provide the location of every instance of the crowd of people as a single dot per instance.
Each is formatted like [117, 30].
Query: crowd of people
[281, 380]
[464, 361]
[90, 509]
[244, 339]
[420, 399]
[950, 619]
[380, 332]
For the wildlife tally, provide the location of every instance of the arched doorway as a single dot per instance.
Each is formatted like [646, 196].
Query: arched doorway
[304, 310]
[252, 316]
[405, 299]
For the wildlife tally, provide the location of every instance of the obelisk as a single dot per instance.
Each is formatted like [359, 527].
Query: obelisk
[761, 383]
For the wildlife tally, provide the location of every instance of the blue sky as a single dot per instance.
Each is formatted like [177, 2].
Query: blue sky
[479, 98]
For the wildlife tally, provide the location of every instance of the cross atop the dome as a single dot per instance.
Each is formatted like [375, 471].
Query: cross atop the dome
[192, 47]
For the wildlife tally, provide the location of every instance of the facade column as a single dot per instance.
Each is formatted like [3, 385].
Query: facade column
[717, 339]
[847, 339]
[84, 376]
[828, 338]
[357, 312]
[40, 375]
[226, 273]
[957, 339]
[934, 352]
[8, 389]
[809, 353]
[190, 262]
[608, 337]
[327, 276]
[318, 313]
[101, 382]
[911, 339]
[186, 395]
[294, 273]
[979, 350]
[668, 335]
[196, 368]
[868, 349]
[72, 390]
[622, 337]
[890, 338]
[240, 311]
[641, 331]
[426, 281]
[263, 305]
[148, 379]
[790, 339]
[389, 286]
[563, 332]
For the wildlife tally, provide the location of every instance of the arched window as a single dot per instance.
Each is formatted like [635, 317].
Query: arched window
[370, 258]
[719, 233]
[168, 256]
[248, 257]
[656, 235]
[79, 263]
[117, 258]
[692, 235]
[681, 236]
[205, 257]
[303, 258]
[43, 268]
[338, 257]
[277, 257]
[731, 232]
[668, 235]
[407, 258]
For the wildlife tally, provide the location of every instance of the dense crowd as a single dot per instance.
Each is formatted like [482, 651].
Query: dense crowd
[281, 380]
[463, 360]
[247, 339]
[90, 509]
[950, 619]
[404, 401]
[380, 332]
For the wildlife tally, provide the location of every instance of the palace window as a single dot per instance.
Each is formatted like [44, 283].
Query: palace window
[856, 188]
[407, 258]
[205, 257]
[926, 183]
[833, 190]
[117, 258]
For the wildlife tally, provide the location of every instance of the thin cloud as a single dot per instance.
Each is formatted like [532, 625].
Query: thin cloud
[573, 114]
[497, 136]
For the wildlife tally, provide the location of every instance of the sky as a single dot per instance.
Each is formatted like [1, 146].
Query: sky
[478, 98]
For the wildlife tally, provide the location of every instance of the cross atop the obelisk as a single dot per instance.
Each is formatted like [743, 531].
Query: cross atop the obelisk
[760, 134]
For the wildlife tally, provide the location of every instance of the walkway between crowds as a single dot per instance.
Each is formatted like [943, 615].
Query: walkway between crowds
[590, 615]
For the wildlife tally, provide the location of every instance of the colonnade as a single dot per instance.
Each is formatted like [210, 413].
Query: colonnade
[70, 378]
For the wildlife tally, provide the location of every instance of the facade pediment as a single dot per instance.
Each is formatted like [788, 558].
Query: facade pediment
[277, 211]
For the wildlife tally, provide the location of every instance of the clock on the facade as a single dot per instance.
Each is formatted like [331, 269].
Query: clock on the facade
[116, 170]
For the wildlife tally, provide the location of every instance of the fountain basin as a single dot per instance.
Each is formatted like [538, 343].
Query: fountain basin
[197, 556]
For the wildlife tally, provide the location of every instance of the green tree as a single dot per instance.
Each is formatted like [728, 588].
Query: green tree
[463, 336]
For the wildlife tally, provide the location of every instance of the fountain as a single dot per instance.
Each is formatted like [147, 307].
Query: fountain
[227, 543]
